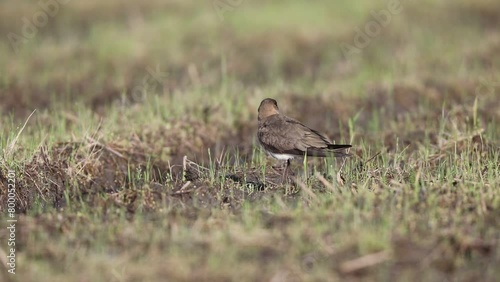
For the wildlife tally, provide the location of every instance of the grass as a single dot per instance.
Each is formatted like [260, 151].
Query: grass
[123, 175]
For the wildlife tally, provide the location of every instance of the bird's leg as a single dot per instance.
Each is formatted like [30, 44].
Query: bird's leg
[285, 172]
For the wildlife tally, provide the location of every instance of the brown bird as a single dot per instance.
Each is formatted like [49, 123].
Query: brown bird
[285, 138]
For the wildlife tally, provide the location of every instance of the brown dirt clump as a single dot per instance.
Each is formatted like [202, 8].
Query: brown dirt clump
[155, 162]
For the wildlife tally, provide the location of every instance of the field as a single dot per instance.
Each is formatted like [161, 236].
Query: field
[129, 130]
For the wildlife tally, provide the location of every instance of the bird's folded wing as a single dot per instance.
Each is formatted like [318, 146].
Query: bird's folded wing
[281, 134]
[306, 137]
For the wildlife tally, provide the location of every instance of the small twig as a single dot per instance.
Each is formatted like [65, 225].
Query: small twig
[218, 160]
[186, 185]
[10, 148]
[182, 190]
[105, 147]
[364, 262]
[372, 158]
[199, 167]
[170, 169]
[58, 186]
[184, 168]
[97, 129]
[340, 179]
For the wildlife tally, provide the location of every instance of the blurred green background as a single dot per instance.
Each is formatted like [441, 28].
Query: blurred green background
[97, 52]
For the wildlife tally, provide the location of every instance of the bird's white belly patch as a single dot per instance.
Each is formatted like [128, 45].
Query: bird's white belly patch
[282, 157]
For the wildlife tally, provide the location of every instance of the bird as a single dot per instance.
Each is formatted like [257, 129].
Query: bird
[285, 138]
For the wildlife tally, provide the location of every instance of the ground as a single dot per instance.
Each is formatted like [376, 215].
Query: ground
[129, 129]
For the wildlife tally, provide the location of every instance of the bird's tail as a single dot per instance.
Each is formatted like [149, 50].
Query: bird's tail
[334, 150]
[336, 146]
[338, 150]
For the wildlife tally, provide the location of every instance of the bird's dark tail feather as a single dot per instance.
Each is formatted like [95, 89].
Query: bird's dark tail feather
[336, 146]
[337, 150]
[332, 150]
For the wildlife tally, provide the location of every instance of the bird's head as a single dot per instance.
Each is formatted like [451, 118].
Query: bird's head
[268, 107]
